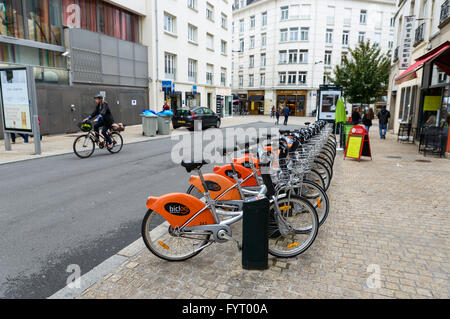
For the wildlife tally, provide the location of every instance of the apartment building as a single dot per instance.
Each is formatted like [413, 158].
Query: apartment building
[420, 74]
[283, 50]
[191, 54]
[78, 48]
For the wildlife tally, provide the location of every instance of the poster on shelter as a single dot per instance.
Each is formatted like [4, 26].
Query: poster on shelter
[15, 101]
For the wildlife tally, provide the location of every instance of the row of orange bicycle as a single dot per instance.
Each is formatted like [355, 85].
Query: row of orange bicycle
[293, 170]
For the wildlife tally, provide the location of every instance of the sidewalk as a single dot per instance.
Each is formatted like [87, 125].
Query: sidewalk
[62, 144]
[389, 214]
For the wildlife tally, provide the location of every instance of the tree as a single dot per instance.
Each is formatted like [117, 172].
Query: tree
[365, 75]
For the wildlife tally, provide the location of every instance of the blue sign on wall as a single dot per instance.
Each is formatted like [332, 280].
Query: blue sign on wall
[194, 89]
[167, 86]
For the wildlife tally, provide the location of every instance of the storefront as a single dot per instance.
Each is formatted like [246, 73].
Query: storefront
[295, 100]
[256, 102]
[242, 104]
[192, 99]
[224, 102]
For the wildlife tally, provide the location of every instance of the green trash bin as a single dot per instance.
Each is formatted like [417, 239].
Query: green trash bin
[164, 124]
[149, 125]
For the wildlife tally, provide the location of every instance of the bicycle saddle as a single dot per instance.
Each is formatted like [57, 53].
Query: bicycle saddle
[190, 166]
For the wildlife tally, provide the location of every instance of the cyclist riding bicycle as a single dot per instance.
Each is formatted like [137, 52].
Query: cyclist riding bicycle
[103, 117]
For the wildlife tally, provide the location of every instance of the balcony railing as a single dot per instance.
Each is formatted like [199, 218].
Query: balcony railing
[419, 33]
[445, 11]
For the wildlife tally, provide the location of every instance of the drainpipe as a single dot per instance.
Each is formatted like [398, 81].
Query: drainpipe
[157, 55]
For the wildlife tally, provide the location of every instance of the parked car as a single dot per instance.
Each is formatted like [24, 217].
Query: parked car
[185, 117]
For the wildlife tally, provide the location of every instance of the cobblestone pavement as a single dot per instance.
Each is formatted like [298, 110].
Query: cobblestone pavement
[390, 214]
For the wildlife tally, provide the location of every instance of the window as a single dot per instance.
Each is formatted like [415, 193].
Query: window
[210, 41]
[379, 20]
[390, 44]
[263, 60]
[223, 76]
[264, 19]
[325, 78]
[169, 66]
[329, 36]
[292, 77]
[343, 57]
[327, 58]
[223, 47]
[294, 11]
[169, 23]
[303, 56]
[224, 21]
[293, 34]
[192, 4]
[363, 17]
[283, 35]
[305, 12]
[252, 22]
[282, 77]
[302, 77]
[252, 42]
[192, 70]
[241, 26]
[262, 79]
[209, 11]
[330, 16]
[304, 34]
[377, 38]
[361, 36]
[263, 40]
[192, 33]
[284, 13]
[392, 22]
[293, 55]
[241, 45]
[241, 81]
[283, 57]
[209, 74]
[347, 17]
[232, 27]
[251, 61]
[251, 80]
[345, 36]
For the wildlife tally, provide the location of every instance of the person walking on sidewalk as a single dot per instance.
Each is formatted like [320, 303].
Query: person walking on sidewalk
[356, 117]
[367, 119]
[383, 118]
[277, 115]
[286, 112]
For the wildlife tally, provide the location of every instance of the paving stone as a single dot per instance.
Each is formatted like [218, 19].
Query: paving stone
[380, 217]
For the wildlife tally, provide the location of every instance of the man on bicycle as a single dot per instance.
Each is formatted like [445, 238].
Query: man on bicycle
[103, 117]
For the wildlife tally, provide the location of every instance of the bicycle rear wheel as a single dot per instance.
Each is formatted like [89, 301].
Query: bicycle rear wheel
[317, 197]
[84, 146]
[160, 239]
[293, 226]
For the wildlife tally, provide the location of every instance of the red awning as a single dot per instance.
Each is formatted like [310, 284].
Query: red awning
[410, 73]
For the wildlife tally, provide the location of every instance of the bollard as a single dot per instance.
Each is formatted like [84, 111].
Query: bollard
[255, 243]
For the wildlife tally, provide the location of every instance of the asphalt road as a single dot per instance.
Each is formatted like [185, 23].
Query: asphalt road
[59, 211]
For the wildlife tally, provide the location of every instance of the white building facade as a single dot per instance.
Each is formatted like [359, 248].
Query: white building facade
[284, 49]
[190, 54]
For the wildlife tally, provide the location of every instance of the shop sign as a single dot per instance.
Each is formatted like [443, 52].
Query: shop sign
[407, 43]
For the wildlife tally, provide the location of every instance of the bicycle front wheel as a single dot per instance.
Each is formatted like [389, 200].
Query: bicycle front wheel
[117, 143]
[293, 226]
[161, 240]
[84, 146]
[317, 197]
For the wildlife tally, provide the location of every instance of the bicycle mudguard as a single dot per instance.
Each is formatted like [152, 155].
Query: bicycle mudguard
[178, 208]
[217, 185]
[242, 172]
[245, 161]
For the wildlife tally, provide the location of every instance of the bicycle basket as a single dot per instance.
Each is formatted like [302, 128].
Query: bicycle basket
[86, 126]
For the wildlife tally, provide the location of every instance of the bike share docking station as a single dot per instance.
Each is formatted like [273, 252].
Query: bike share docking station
[255, 225]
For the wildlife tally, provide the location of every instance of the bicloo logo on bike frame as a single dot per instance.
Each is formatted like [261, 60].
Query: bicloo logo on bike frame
[177, 209]
[209, 145]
